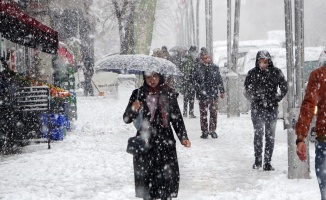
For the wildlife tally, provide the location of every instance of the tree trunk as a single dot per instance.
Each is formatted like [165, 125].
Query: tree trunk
[87, 52]
[144, 24]
[129, 32]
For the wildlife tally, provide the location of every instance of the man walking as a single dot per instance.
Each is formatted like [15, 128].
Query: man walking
[208, 81]
[261, 85]
[188, 87]
[315, 97]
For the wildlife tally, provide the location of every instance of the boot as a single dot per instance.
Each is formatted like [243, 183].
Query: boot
[268, 167]
[213, 134]
[191, 115]
[257, 164]
[204, 135]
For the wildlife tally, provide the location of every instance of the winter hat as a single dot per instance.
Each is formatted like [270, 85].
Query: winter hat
[203, 51]
[263, 54]
[192, 49]
[164, 48]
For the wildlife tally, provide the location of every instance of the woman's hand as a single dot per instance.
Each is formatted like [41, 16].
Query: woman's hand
[186, 143]
[135, 106]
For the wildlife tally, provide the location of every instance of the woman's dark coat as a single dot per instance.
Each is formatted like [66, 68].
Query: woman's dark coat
[157, 171]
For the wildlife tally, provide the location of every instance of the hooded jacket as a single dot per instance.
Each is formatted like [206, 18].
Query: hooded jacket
[315, 96]
[261, 85]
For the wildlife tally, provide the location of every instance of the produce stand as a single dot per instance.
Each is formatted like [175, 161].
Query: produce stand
[31, 110]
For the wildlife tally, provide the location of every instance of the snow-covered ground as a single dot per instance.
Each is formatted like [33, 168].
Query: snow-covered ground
[91, 162]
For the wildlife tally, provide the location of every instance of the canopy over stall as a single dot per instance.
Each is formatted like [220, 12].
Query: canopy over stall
[18, 27]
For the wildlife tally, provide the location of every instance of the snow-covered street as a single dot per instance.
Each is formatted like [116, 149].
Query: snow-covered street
[91, 162]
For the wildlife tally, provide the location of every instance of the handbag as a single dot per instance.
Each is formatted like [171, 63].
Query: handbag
[137, 145]
[138, 120]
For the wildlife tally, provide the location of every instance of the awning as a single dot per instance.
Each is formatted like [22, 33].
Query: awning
[65, 54]
[18, 27]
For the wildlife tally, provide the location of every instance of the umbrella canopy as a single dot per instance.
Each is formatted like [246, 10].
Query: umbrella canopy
[178, 48]
[138, 63]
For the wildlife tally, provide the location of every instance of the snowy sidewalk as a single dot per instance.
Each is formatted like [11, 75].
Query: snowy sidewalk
[91, 162]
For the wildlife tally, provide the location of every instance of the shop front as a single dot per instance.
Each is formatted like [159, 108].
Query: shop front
[31, 106]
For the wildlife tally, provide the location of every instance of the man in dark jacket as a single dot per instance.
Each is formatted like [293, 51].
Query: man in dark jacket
[261, 85]
[208, 82]
[188, 88]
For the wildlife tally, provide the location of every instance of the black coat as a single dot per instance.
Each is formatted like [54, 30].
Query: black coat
[261, 86]
[157, 172]
[188, 67]
[208, 81]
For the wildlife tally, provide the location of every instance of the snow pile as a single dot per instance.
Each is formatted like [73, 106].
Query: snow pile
[92, 163]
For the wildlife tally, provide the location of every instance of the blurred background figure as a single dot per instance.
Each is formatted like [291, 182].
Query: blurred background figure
[178, 56]
[165, 53]
[187, 86]
[157, 53]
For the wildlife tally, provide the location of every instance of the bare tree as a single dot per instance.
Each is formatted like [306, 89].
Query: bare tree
[124, 12]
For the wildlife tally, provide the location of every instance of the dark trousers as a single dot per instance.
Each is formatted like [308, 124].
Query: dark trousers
[264, 123]
[320, 166]
[204, 106]
[188, 98]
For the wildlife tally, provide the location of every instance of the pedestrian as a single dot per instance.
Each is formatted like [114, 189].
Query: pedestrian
[261, 86]
[315, 97]
[165, 53]
[188, 87]
[208, 81]
[156, 172]
[157, 53]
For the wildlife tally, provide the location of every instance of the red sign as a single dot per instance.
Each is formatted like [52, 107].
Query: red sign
[65, 55]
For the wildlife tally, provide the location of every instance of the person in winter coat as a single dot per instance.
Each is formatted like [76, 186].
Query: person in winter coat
[188, 87]
[156, 172]
[261, 85]
[157, 53]
[165, 53]
[315, 96]
[208, 81]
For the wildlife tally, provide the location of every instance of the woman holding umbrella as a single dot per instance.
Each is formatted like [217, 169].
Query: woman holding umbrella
[157, 171]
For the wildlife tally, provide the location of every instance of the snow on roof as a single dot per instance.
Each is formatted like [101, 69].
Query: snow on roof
[250, 43]
[220, 48]
[127, 76]
[312, 53]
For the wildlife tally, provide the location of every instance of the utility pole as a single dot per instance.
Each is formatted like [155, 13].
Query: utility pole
[299, 48]
[232, 76]
[236, 35]
[192, 19]
[186, 20]
[197, 23]
[210, 22]
[182, 42]
[228, 33]
[209, 30]
[296, 168]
